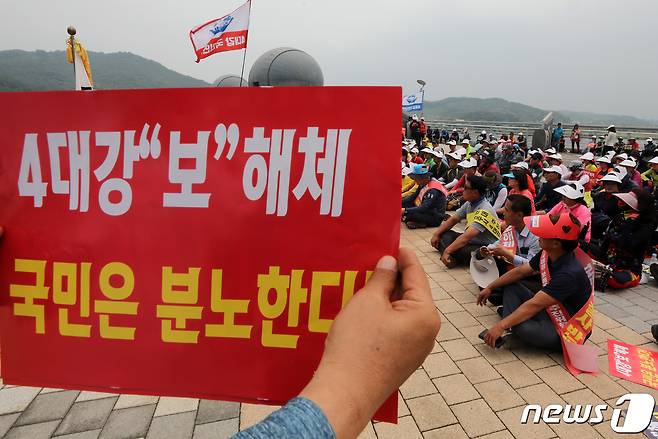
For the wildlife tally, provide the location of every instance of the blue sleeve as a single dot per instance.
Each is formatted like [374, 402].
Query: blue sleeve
[300, 418]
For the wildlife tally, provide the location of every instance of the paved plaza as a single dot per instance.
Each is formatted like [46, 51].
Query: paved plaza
[464, 388]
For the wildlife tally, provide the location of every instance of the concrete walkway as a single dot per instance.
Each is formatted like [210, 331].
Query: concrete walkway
[464, 388]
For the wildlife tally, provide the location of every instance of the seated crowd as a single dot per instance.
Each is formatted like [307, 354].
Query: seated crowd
[542, 223]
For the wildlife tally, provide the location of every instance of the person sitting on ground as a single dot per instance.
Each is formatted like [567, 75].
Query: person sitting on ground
[482, 226]
[556, 160]
[523, 168]
[606, 205]
[496, 191]
[588, 164]
[517, 183]
[431, 157]
[385, 320]
[453, 172]
[565, 282]
[651, 176]
[573, 202]
[415, 158]
[605, 166]
[487, 163]
[517, 246]
[409, 185]
[455, 194]
[536, 166]
[635, 177]
[626, 240]
[547, 198]
[509, 156]
[427, 206]
[577, 174]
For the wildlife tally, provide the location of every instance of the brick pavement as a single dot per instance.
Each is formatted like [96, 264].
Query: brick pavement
[463, 389]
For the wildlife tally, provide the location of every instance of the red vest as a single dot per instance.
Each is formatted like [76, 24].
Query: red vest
[433, 184]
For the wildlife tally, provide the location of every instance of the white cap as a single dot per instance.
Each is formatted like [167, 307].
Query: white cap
[438, 150]
[628, 162]
[484, 132]
[629, 198]
[453, 143]
[551, 151]
[520, 165]
[414, 150]
[611, 176]
[572, 190]
[623, 155]
[520, 134]
[461, 151]
[426, 150]
[469, 163]
[587, 156]
[466, 142]
[453, 155]
[604, 159]
[611, 126]
[650, 139]
[654, 160]
[414, 117]
[553, 169]
[454, 130]
[406, 170]
[556, 156]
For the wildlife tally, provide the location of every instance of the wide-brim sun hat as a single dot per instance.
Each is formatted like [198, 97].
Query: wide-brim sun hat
[587, 156]
[572, 190]
[554, 168]
[468, 163]
[483, 271]
[629, 198]
[612, 177]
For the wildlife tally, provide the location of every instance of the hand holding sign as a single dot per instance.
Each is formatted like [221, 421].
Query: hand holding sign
[356, 373]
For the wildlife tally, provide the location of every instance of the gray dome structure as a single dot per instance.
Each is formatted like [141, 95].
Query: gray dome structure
[285, 66]
[229, 81]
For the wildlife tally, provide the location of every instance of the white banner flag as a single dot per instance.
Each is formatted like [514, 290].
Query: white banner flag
[222, 34]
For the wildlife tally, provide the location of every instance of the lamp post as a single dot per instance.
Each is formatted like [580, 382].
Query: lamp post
[422, 90]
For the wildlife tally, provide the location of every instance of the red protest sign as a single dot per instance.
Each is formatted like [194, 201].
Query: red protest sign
[189, 242]
[632, 363]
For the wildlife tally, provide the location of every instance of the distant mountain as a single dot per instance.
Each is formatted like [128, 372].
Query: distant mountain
[39, 70]
[500, 110]
[491, 109]
[606, 119]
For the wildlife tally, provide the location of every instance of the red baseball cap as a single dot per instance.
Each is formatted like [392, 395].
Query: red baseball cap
[564, 226]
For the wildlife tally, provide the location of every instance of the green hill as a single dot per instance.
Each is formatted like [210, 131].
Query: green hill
[39, 70]
[500, 110]
[492, 109]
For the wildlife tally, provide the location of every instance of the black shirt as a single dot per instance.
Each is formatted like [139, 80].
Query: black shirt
[569, 283]
[547, 198]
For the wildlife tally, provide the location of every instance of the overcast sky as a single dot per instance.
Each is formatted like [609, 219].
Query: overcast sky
[589, 55]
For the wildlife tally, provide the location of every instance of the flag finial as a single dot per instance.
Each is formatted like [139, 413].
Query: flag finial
[71, 30]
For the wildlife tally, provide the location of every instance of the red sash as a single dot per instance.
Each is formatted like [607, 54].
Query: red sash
[508, 239]
[433, 184]
[574, 330]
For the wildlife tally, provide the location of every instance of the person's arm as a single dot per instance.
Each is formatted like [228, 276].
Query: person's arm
[461, 241]
[584, 179]
[500, 199]
[387, 319]
[527, 310]
[512, 276]
[444, 227]
[451, 184]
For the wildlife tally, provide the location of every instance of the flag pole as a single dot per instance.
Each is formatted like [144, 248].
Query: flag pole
[244, 56]
[71, 31]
